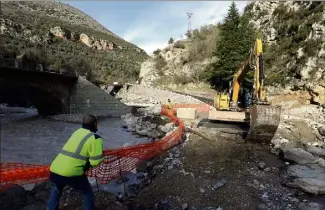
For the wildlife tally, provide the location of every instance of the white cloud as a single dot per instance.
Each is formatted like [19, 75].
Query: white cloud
[153, 28]
[152, 46]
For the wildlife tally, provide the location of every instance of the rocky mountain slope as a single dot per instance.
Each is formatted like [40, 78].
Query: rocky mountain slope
[182, 62]
[294, 35]
[294, 50]
[59, 36]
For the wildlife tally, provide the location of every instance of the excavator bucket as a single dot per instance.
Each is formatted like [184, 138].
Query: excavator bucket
[264, 121]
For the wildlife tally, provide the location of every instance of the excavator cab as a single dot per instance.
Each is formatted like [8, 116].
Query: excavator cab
[222, 101]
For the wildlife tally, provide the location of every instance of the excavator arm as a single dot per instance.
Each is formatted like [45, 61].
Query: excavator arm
[263, 117]
[259, 95]
[255, 61]
[239, 77]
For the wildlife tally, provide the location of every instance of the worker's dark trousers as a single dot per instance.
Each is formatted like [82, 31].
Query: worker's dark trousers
[80, 183]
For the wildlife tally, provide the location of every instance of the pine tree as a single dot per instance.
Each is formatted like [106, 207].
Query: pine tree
[171, 40]
[236, 38]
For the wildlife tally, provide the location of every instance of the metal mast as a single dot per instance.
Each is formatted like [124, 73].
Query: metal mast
[189, 15]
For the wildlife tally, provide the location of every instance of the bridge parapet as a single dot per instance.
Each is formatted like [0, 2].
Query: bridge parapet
[15, 63]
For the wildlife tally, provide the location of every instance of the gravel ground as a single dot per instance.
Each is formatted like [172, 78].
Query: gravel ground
[145, 95]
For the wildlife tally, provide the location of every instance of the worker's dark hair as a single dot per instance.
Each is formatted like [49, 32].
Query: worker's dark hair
[89, 119]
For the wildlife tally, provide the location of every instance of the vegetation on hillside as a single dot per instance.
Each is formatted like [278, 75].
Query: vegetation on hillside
[296, 43]
[121, 64]
[292, 31]
[203, 42]
[229, 42]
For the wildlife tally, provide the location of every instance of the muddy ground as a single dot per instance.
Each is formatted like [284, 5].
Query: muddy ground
[221, 173]
[243, 175]
[250, 170]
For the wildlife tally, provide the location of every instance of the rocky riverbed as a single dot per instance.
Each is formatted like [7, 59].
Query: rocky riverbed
[221, 173]
[148, 95]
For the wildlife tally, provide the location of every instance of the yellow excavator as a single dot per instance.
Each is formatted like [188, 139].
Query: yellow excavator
[263, 118]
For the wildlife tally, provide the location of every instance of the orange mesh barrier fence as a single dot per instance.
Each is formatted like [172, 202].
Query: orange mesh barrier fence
[198, 107]
[116, 161]
[21, 173]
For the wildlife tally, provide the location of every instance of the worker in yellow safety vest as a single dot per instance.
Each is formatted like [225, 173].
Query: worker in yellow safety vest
[169, 105]
[83, 150]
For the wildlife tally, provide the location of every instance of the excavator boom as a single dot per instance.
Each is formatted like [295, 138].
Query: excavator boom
[262, 116]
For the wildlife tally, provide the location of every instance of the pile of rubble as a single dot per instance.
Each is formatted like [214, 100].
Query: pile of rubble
[298, 126]
[67, 117]
[307, 171]
[300, 140]
[146, 95]
[151, 126]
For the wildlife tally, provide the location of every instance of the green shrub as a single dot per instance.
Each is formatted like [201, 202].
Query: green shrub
[160, 63]
[311, 47]
[179, 44]
[181, 79]
[156, 52]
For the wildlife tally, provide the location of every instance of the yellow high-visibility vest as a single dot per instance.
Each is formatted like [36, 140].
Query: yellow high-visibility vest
[82, 146]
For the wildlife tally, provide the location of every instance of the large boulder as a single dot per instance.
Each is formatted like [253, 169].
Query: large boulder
[167, 128]
[317, 93]
[84, 38]
[59, 32]
[318, 151]
[309, 178]
[321, 130]
[13, 198]
[298, 155]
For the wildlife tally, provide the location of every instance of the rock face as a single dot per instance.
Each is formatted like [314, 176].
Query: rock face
[148, 74]
[85, 39]
[179, 63]
[97, 44]
[276, 19]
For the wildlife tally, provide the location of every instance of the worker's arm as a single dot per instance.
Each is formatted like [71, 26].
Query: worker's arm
[96, 151]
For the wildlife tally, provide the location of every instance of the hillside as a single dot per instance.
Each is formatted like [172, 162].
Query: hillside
[183, 62]
[59, 36]
[293, 35]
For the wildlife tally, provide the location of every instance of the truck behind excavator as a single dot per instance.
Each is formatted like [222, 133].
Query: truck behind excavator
[263, 118]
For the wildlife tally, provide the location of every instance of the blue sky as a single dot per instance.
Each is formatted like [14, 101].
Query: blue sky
[149, 24]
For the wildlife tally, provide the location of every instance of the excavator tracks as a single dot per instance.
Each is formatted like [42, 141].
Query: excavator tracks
[264, 121]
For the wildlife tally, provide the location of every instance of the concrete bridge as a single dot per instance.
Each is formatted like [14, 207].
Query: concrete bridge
[56, 93]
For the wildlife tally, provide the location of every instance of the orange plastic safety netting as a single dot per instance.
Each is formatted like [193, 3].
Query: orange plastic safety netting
[116, 162]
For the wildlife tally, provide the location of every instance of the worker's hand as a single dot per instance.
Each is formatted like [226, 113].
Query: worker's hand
[87, 166]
